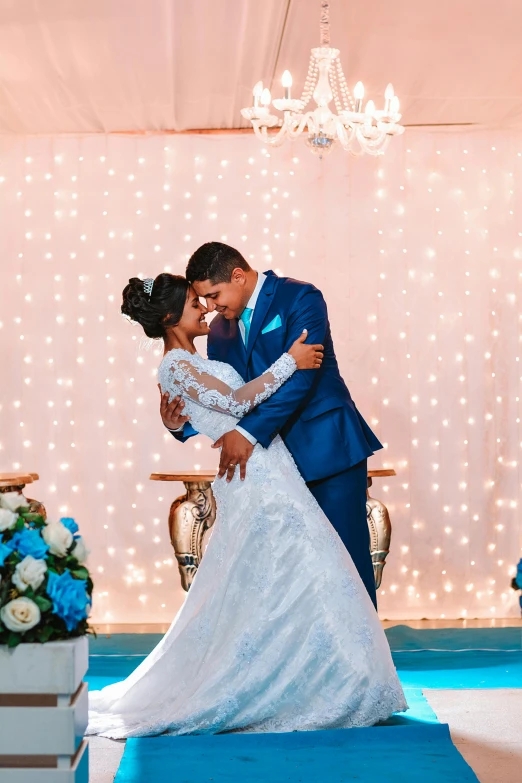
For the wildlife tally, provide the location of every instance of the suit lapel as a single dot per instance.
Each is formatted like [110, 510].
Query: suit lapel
[264, 301]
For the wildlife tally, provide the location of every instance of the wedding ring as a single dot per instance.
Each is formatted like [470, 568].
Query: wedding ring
[232, 464]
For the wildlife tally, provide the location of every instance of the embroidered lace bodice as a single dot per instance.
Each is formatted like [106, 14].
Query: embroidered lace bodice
[215, 395]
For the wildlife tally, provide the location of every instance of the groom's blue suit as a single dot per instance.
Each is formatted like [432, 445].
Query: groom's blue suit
[313, 411]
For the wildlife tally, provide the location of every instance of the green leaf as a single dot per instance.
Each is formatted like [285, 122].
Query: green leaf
[32, 517]
[14, 639]
[80, 573]
[45, 633]
[42, 603]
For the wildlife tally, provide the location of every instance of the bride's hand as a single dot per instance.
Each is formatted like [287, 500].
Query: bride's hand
[172, 412]
[307, 357]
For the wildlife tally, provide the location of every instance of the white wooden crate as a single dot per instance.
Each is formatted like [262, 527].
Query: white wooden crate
[44, 713]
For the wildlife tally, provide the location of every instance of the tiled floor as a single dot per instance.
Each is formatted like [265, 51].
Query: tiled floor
[486, 727]
[104, 759]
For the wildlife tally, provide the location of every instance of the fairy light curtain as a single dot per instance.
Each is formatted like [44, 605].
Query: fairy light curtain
[419, 255]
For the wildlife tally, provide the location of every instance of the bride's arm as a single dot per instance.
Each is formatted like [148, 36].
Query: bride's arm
[209, 391]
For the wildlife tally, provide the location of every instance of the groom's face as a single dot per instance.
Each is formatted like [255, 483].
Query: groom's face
[229, 299]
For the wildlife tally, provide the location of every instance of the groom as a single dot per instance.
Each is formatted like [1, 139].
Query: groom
[260, 316]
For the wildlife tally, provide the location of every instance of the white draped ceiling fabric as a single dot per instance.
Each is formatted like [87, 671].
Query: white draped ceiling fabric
[418, 252]
[153, 65]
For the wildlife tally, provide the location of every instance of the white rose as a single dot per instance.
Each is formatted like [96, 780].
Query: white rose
[80, 551]
[58, 537]
[20, 614]
[13, 500]
[7, 518]
[29, 573]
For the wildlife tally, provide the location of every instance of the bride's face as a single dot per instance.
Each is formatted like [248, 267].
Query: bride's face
[192, 321]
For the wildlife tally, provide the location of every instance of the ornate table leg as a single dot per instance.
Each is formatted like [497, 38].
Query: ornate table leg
[191, 515]
[380, 533]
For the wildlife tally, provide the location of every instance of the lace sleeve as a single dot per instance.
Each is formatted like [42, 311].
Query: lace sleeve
[209, 391]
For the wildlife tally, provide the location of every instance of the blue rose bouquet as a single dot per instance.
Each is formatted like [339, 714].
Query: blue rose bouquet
[45, 588]
[516, 582]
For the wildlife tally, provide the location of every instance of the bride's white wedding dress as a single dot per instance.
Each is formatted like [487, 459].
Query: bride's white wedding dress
[277, 632]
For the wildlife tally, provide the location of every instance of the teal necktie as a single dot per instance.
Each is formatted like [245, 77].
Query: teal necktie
[245, 318]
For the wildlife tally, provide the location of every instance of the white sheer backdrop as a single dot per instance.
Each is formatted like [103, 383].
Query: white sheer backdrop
[419, 255]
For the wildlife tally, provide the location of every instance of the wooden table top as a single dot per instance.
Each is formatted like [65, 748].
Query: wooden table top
[193, 475]
[210, 475]
[14, 479]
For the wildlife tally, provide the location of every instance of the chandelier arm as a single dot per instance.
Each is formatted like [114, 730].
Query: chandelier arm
[350, 143]
[345, 135]
[293, 133]
[372, 147]
[379, 150]
[275, 139]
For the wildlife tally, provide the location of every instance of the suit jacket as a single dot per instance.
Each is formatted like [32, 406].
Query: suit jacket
[313, 411]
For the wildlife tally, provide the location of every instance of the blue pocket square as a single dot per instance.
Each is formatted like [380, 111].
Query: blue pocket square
[275, 323]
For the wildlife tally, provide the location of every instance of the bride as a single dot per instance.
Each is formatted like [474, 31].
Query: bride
[277, 632]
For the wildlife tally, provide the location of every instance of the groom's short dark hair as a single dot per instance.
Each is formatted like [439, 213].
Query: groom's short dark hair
[214, 261]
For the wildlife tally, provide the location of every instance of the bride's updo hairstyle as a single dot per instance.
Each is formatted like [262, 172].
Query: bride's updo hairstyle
[164, 306]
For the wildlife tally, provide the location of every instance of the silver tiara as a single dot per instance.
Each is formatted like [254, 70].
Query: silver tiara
[147, 285]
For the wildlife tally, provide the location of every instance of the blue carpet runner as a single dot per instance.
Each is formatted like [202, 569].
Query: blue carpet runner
[392, 754]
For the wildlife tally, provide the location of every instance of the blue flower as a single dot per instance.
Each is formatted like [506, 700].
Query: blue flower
[5, 551]
[69, 523]
[69, 597]
[29, 542]
[518, 577]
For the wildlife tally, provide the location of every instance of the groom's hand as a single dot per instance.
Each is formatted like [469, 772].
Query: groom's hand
[236, 450]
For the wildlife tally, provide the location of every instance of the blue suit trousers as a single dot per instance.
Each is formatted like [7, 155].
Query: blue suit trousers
[343, 499]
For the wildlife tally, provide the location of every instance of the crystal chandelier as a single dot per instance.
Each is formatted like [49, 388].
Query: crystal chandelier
[356, 129]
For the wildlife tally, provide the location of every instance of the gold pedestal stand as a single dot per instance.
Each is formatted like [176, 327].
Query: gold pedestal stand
[192, 516]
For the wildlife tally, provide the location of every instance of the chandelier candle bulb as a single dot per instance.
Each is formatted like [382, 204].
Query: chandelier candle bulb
[286, 81]
[358, 94]
[389, 95]
[266, 97]
[257, 92]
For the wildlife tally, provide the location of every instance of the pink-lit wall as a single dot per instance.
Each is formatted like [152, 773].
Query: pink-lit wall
[419, 255]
